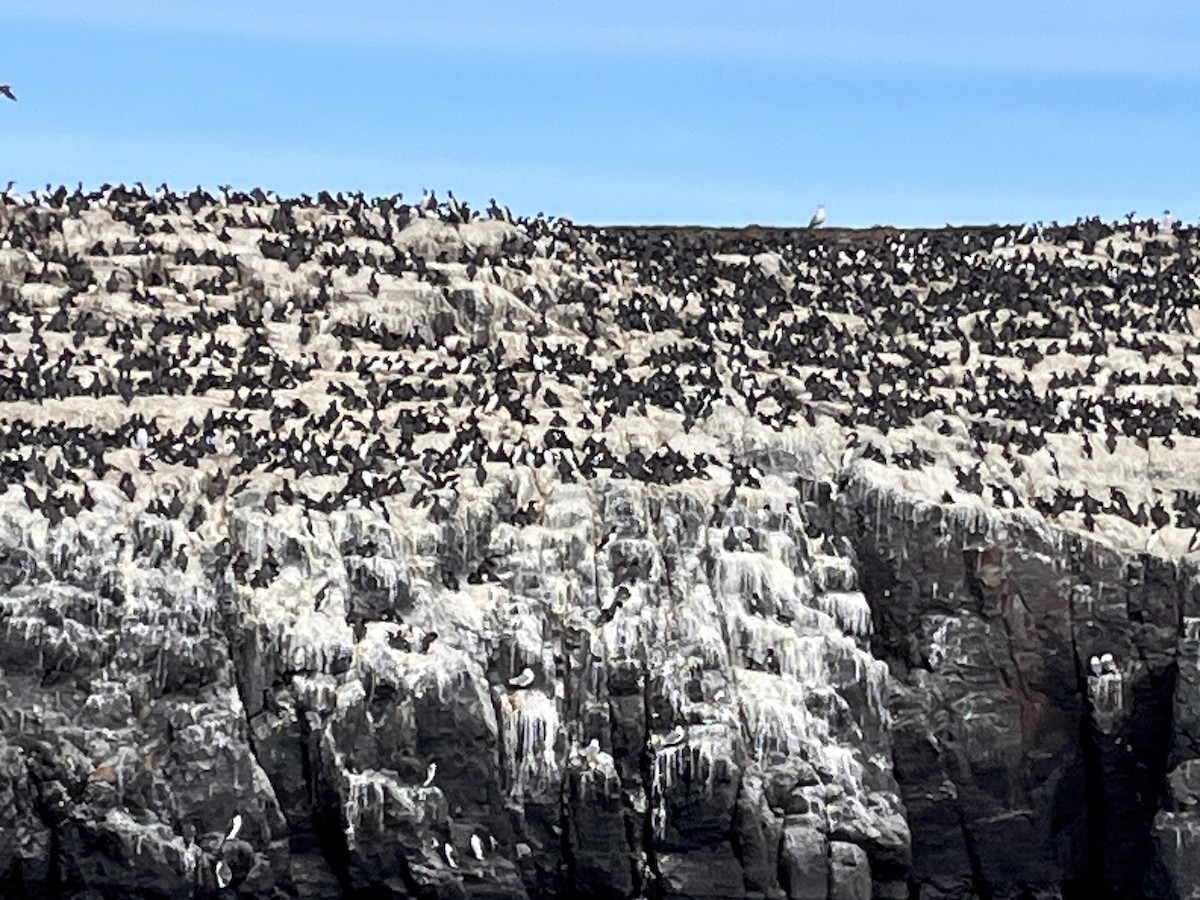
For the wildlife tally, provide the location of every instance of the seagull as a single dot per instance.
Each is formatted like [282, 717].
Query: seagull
[524, 680]
[1094, 665]
[675, 737]
[449, 851]
[234, 828]
[224, 873]
[429, 773]
[7, 92]
[818, 218]
[592, 751]
[477, 847]
[1107, 664]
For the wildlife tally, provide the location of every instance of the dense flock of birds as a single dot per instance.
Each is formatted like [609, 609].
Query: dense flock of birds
[340, 350]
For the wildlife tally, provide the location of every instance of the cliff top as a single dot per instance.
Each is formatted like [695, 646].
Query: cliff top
[358, 349]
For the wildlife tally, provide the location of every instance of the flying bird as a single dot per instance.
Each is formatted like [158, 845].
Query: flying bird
[818, 218]
[7, 92]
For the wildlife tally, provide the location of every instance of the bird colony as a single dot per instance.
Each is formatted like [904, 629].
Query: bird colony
[454, 554]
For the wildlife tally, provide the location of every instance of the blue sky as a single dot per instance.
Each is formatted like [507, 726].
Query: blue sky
[907, 113]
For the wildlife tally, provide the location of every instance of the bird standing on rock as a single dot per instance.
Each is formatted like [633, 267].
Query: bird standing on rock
[524, 680]
[234, 828]
[818, 218]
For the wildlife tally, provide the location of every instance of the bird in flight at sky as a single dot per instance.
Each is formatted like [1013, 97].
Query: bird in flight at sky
[7, 92]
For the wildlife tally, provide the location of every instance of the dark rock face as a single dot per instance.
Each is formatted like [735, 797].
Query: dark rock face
[1020, 769]
[307, 589]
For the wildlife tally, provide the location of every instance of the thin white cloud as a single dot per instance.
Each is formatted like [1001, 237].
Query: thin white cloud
[1104, 43]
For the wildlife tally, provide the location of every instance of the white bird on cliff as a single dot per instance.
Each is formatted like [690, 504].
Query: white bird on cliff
[592, 751]
[818, 218]
[224, 873]
[1094, 665]
[449, 851]
[1107, 664]
[477, 847]
[524, 680]
[794, 516]
[675, 737]
[429, 773]
[853, 450]
[234, 828]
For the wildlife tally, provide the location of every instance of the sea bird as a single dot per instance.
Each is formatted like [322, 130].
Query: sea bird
[524, 680]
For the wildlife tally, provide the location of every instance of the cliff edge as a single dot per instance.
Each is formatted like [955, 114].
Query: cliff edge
[358, 548]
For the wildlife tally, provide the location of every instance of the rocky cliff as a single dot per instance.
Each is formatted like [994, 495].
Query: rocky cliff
[357, 548]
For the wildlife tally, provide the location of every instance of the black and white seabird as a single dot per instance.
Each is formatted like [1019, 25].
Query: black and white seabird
[7, 92]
